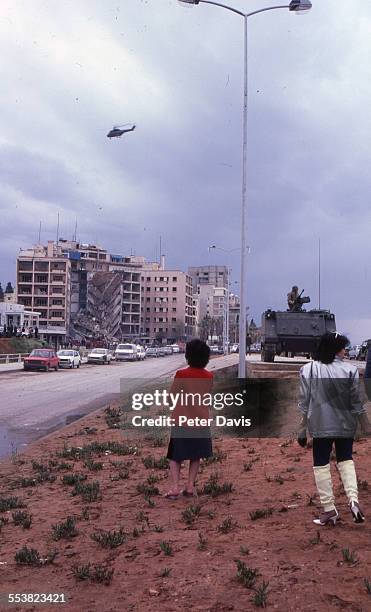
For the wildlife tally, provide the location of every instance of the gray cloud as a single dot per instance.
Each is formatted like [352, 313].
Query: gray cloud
[70, 70]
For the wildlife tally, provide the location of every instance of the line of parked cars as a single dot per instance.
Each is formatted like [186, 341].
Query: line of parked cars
[47, 359]
[161, 351]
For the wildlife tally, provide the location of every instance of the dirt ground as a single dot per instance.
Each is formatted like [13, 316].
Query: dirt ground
[182, 554]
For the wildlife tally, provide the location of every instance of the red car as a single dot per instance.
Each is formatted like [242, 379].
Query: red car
[41, 359]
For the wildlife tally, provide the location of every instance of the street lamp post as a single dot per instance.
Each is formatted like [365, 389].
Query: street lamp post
[295, 6]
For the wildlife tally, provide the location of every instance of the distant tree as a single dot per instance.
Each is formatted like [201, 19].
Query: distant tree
[9, 288]
[1, 294]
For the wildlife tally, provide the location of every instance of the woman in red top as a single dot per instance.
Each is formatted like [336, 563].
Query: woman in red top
[190, 436]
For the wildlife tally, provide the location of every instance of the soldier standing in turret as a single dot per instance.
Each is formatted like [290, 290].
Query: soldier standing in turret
[292, 297]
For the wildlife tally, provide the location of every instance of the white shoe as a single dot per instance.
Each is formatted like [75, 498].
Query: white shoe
[327, 517]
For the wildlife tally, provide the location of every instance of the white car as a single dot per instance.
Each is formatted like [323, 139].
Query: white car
[126, 352]
[69, 358]
[141, 354]
[175, 348]
[99, 355]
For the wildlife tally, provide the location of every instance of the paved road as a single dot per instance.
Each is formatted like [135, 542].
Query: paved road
[34, 403]
[29, 399]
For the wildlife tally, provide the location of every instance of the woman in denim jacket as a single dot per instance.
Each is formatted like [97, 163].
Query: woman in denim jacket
[331, 405]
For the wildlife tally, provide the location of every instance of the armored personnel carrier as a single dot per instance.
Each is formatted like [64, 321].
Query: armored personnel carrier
[294, 331]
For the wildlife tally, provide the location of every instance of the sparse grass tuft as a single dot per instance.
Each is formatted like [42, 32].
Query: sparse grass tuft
[246, 575]
[81, 572]
[261, 513]
[158, 528]
[97, 448]
[151, 462]
[93, 466]
[121, 475]
[147, 489]
[166, 548]
[367, 583]
[39, 467]
[349, 556]
[316, 540]
[213, 488]
[310, 499]
[65, 530]
[247, 466]
[142, 517]
[73, 479]
[28, 556]
[21, 517]
[10, 503]
[113, 417]
[109, 539]
[363, 485]
[216, 457]
[97, 573]
[149, 501]
[244, 550]
[202, 541]
[227, 525]
[165, 572]
[89, 492]
[190, 514]
[261, 595]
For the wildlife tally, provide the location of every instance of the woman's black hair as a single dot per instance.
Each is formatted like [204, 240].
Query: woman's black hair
[197, 353]
[329, 345]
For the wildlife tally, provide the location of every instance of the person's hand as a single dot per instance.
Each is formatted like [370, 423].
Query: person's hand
[302, 437]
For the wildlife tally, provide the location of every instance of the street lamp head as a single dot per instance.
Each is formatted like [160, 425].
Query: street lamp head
[300, 5]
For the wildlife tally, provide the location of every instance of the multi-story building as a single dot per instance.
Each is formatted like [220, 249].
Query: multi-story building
[167, 305]
[44, 285]
[217, 276]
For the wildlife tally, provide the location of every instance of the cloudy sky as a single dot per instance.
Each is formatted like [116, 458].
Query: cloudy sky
[72, 69]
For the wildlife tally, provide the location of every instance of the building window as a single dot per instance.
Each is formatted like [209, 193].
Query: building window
[174, 288]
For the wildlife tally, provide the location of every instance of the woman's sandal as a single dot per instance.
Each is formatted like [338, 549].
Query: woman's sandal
[326, 518]
[189, 493]
[357, 514]
[172, 496]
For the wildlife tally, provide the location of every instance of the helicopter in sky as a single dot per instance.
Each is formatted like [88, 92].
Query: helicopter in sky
[118, 130]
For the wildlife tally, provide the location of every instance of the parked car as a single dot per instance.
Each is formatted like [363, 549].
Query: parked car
[168, 350]
[141, 352]
[152, 351]
[161, 351]
[234, 348]
[176, 348]
[99, 355]
[216, 350]
[41, 359]
[126, 352]
[69, 358]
